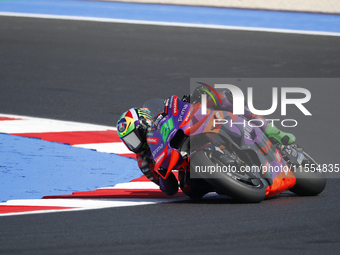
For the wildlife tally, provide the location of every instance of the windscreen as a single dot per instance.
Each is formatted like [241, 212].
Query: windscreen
[155, 106]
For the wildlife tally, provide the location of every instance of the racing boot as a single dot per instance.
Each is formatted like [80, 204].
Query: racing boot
[280, 136]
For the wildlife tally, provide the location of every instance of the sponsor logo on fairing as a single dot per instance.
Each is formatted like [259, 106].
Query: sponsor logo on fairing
[158, 149]
[160, 157]
[166, 106]
[175, 106]
[153, 140]
[180, 117]
[187, 117]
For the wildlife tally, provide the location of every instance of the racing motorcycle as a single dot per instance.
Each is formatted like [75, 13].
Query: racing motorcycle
[231, 156]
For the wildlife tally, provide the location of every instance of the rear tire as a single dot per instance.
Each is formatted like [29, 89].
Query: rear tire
[230, 184]
[308, 183]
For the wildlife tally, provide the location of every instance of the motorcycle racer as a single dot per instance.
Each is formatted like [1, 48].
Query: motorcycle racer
[132, 129]
[133, 125]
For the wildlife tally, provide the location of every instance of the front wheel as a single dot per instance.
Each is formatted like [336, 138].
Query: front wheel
[245, 187]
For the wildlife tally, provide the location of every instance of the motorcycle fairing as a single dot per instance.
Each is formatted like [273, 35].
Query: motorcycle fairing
[181, 115]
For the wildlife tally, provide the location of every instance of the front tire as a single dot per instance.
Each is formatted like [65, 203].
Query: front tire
[243, 188]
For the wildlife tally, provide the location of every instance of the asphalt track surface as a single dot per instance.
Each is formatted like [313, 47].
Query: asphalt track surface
[92, 72]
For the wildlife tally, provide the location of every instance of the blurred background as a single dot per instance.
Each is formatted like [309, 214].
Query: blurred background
[88, 71]
[331, 6]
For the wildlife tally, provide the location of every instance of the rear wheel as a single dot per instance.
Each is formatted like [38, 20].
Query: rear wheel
[243, 186]
[308, 183]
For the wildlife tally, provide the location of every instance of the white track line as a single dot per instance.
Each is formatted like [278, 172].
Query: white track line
[174, 24]
[81, 204]
[42, 125]
[117, 148]
[147, 185]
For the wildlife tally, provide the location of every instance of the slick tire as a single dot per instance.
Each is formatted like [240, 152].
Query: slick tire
[228, 185]
[308, 183]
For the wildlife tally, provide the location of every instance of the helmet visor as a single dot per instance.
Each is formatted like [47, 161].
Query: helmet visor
[132, 141]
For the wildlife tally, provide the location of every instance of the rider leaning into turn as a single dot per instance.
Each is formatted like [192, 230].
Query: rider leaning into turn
[132, 128]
